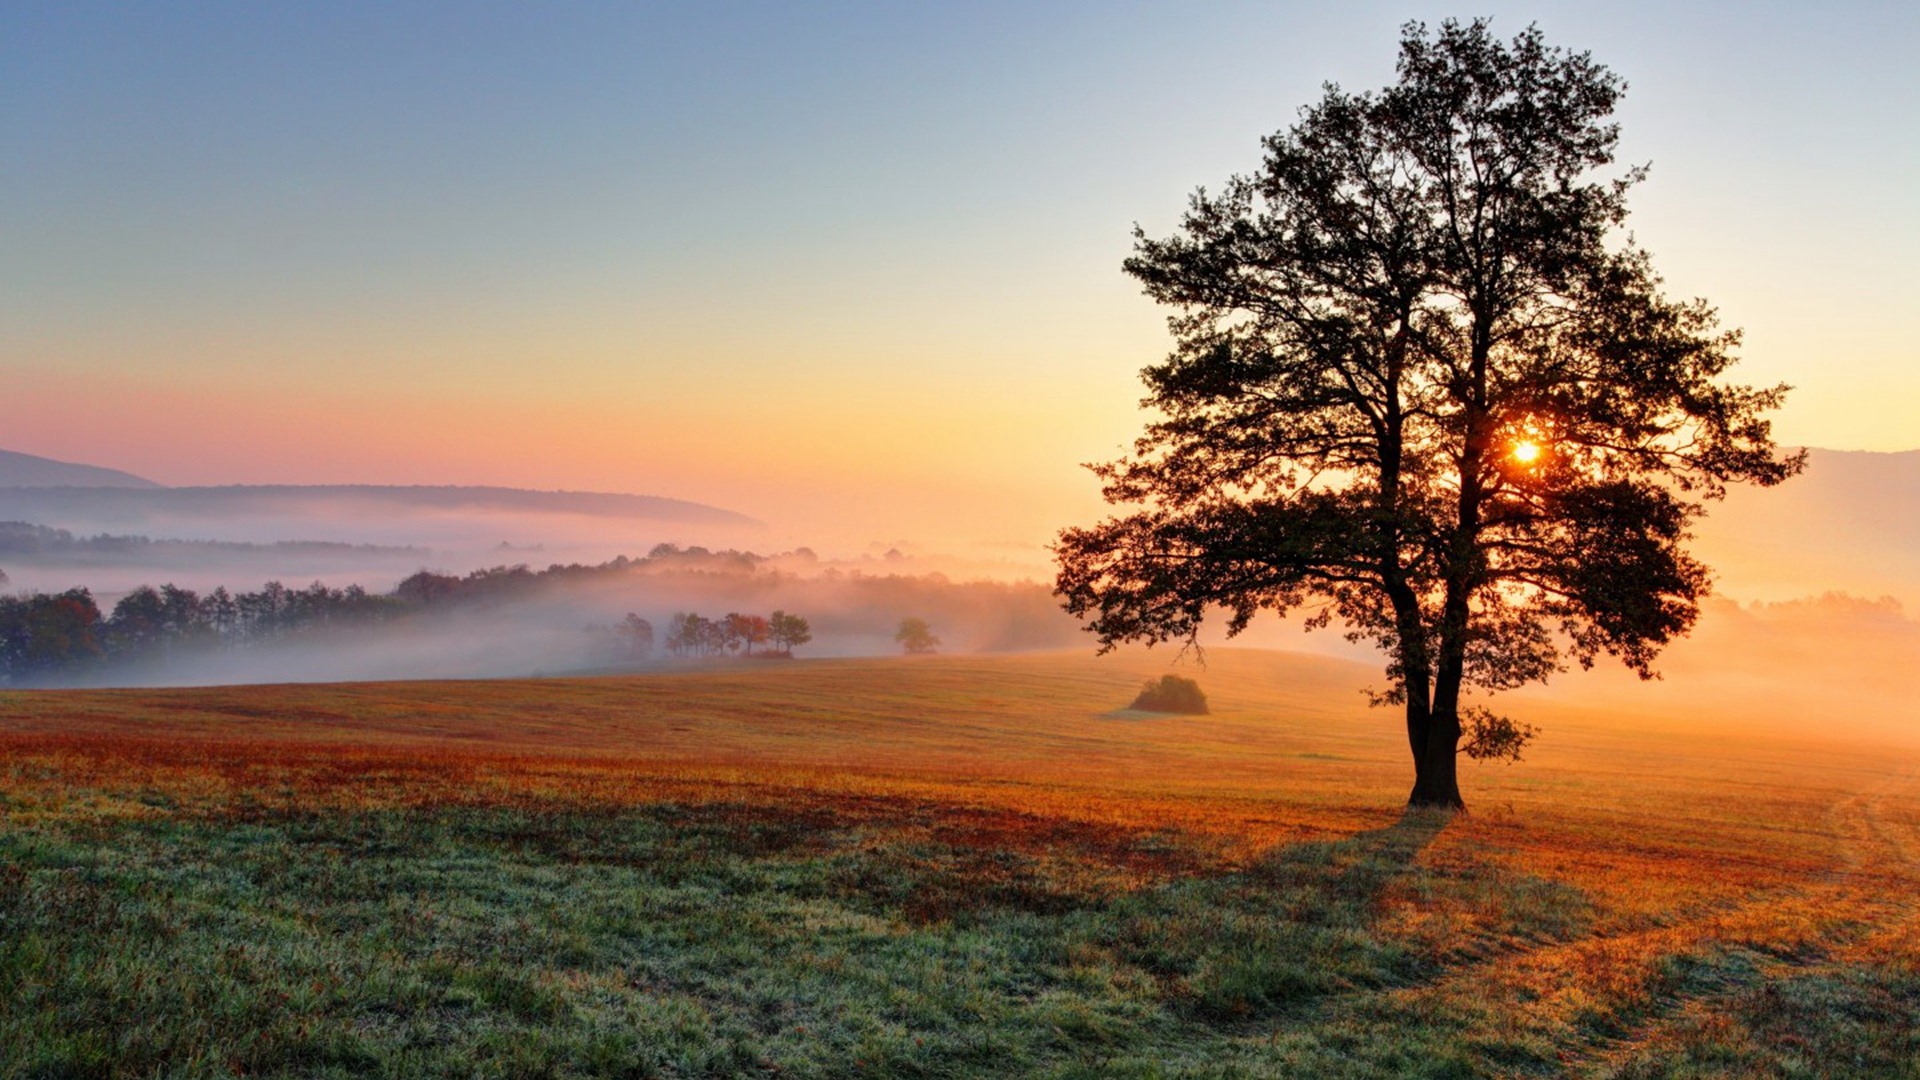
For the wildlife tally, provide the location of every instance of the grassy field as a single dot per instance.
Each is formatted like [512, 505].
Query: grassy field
[935, 867]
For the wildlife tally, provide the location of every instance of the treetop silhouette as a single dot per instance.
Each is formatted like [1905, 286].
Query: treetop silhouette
[1422, 385]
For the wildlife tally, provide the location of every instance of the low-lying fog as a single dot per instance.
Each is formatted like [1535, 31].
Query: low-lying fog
[1808, 655]
[552, 620]
[1834, 660]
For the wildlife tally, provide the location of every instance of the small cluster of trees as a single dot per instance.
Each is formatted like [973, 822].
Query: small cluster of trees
[691, 634]
[493, 583]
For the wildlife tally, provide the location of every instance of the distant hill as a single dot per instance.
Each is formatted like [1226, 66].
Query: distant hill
[1851, 522]
[23, 542]
[28, 471]
[84, 507]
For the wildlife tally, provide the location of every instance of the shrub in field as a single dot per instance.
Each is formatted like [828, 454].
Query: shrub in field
[1171, 694]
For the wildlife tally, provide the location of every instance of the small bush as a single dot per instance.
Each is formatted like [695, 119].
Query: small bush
[1171, 694]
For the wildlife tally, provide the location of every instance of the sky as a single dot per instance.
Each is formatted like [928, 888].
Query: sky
[850, 268]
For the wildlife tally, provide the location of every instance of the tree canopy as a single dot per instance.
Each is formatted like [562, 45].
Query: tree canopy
[789, 631]
[915, 636]
[1421, 384]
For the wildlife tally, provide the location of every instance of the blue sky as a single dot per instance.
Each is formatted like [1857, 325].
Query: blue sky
[885, 236]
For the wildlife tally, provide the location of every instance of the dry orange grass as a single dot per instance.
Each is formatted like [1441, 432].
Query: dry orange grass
[1291, 752]
[1798, 853]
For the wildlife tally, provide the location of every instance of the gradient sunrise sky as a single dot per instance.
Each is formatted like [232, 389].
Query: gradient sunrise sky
[850, 268]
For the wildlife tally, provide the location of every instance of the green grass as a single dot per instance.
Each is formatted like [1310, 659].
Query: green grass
[688, 941]
[287, 903]
[719, 940]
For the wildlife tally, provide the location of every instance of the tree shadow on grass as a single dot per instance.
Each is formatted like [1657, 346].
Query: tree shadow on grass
[1299, 924]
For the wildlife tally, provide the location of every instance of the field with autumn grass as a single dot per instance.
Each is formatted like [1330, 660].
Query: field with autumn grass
[936, 867]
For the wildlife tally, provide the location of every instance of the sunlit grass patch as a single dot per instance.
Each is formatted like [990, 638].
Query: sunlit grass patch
[992, 885]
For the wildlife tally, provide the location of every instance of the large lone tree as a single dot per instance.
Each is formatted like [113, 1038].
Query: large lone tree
[1421, 384]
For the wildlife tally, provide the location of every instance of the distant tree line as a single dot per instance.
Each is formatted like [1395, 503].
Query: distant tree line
[24, 540]
[49, 637]
[46, 635]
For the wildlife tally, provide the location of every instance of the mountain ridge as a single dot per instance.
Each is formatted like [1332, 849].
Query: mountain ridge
[18, 470]
[58, 503]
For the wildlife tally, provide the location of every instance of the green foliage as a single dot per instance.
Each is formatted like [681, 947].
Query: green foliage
[915, 636]
[1488, 736]
[688, 940]
[789, 631]
[1171, 694]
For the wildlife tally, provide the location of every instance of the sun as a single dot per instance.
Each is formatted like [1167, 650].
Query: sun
[1526, 453]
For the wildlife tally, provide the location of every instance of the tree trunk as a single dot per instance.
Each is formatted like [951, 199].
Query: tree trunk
[1419, 725]
[1436, 781]
[1417, 687]
[1436, 778]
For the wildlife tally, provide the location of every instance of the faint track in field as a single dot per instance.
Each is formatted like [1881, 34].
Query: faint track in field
[1505, 972]
[1877, 873]
[1874, 873]
[1868, 846]
[1886, 851]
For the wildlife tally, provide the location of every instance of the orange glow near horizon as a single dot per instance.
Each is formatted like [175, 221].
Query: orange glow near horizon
[834, 464]
[813, 270]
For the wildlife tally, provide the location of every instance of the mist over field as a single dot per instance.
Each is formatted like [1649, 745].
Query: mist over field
[38, 557]
[520, 621]
[112, 539]
[1826, 665]
[1849, 523]
[455, 525]
[1815, 619]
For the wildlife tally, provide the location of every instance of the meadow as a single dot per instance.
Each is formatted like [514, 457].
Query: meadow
[937, 866]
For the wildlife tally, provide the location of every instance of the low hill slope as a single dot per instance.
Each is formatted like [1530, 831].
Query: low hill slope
[1846, 524]
[28, 471]
[103, 504]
